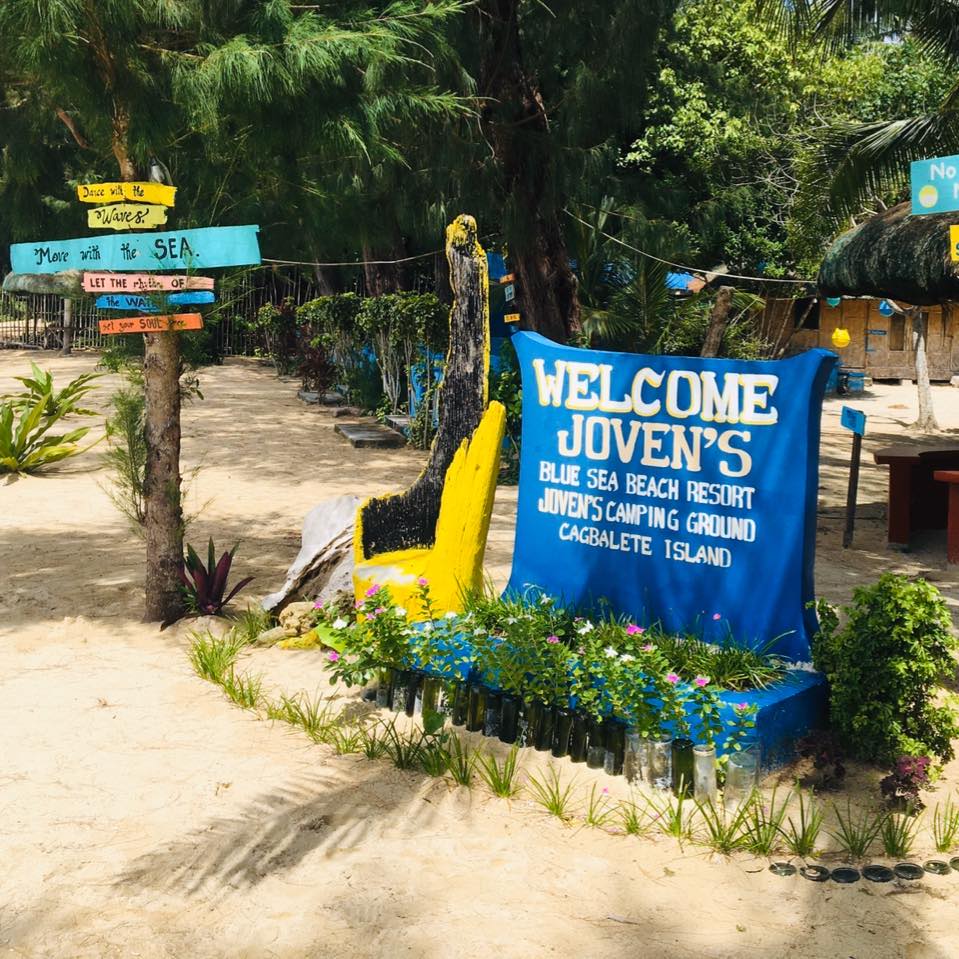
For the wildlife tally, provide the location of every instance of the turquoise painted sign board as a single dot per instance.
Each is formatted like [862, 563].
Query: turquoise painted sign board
[935, 185]
[680, 490]
[123, 301]
[204, 248]
[854, 420]
[191, 297]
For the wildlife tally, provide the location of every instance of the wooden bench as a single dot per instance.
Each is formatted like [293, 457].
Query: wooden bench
[951, 479]
[916, 500]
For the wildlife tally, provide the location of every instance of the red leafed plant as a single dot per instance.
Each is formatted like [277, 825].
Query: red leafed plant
[205, 585]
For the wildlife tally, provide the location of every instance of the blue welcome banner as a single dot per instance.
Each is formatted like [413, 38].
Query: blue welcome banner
[204, 248]
[123, 301]
[680, 490]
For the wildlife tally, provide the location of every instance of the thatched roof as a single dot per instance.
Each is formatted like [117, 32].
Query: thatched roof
[894, 255]
[65, 283]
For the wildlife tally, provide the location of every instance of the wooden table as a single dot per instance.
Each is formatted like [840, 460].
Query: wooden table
[916, 499]
[951, 479]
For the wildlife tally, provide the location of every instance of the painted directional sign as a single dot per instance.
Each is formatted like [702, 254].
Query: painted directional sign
[152, 324]
[114, 192]
[211, 246]
[126, 301]
[126, 216]
[670, 487]
[935, 185]
[142, 282]
[191, 298]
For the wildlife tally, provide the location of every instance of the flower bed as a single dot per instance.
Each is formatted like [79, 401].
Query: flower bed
[601, 690]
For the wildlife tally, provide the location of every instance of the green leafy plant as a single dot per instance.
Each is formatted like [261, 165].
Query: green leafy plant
[245, 689]
[884, 668]
[802, 833]
[897, 833]
[405, 749]
[670, 814]
[205, 585]
[945, 826]
[551, 793]
[314, 716]
[346, 738]
[500, 778]
[376, 740]
[26, 445]
[856, 834]
[63, 403]
[631, 818]
[126, 455]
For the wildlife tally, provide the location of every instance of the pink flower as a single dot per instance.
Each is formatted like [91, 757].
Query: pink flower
[717, 616]
[373, 590]
[701, 681]
[332, 655]
[741, 707]
[672, 678]
[317, 605]
[552, 640]
[357, 605]
[605, 790]
[379, 610]
[633, 630]
[648, 648]
[423, 581]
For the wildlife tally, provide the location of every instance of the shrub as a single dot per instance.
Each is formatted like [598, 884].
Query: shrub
[884, 667]
[25, 444]
[909, 775]
[127, 454]
[205, 585]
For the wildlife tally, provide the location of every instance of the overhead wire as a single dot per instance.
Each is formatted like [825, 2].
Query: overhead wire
[681, 266]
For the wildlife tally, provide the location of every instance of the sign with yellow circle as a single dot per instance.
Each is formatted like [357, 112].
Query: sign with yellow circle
[840, 338]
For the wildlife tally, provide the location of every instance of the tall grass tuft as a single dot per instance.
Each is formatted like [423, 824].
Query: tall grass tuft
[500, 779]
[631, 818]
[212, 658]
[405, 749]
[599, 809]
[898, 833]
[856, 834]
[250, 622]
[245, 689]
[460, 761]
[315, 717]
[376, 739]
[434, 756]
[801, 835]
[670, 815]
[945, 826]
[724, 830]
[762, 824]
[550, 793]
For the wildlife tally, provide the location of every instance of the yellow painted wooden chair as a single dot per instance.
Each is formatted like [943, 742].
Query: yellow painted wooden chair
[454, 563]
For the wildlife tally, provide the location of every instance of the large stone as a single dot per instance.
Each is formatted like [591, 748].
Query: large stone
[298, 617]
[327, 538]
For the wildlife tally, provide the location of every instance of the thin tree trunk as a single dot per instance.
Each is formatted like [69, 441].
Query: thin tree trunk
[515, 120]
[718, 317]
[161, 487]
[67, 326]
[927, 417]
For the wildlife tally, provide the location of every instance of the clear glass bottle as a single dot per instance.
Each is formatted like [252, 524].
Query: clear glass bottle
[384, 687]
[660, 752]
[429, 700]
[615, 747]
[742, 774]
[401, 684]
[595, 744]
[493, 716]
[634, 760]
[704, 773]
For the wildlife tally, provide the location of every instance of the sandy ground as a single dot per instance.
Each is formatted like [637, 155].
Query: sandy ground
[141, 814]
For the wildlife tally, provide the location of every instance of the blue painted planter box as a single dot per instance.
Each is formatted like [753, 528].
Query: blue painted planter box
[787, 711]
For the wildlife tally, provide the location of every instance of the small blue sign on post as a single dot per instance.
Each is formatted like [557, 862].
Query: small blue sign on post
[854, 420]
[935, 185]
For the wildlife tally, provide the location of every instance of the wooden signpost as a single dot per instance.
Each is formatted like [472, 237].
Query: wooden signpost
[142, 282]
[138, 192]
[126, 301]
[854, 420]
[126, 216]
[152, 324]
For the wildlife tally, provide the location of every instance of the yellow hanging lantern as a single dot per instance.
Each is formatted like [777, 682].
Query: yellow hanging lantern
[840, 338]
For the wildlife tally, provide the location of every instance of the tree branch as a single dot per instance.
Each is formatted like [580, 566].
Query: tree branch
[69, 123]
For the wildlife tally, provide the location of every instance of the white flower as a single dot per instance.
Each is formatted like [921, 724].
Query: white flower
[400, 611]
[545, 600]
[450, 615]
[587, 627]
[609, 651]
[626, 658]
[713, 648]
[427, 627]
[803, 667]
[511, 620]
[340, 623]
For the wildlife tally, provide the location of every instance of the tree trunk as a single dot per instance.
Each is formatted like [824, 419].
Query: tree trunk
[67, 326]
[161, 487]
[516, 124]
[927, 417]
[381, 277]
[718, 317]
